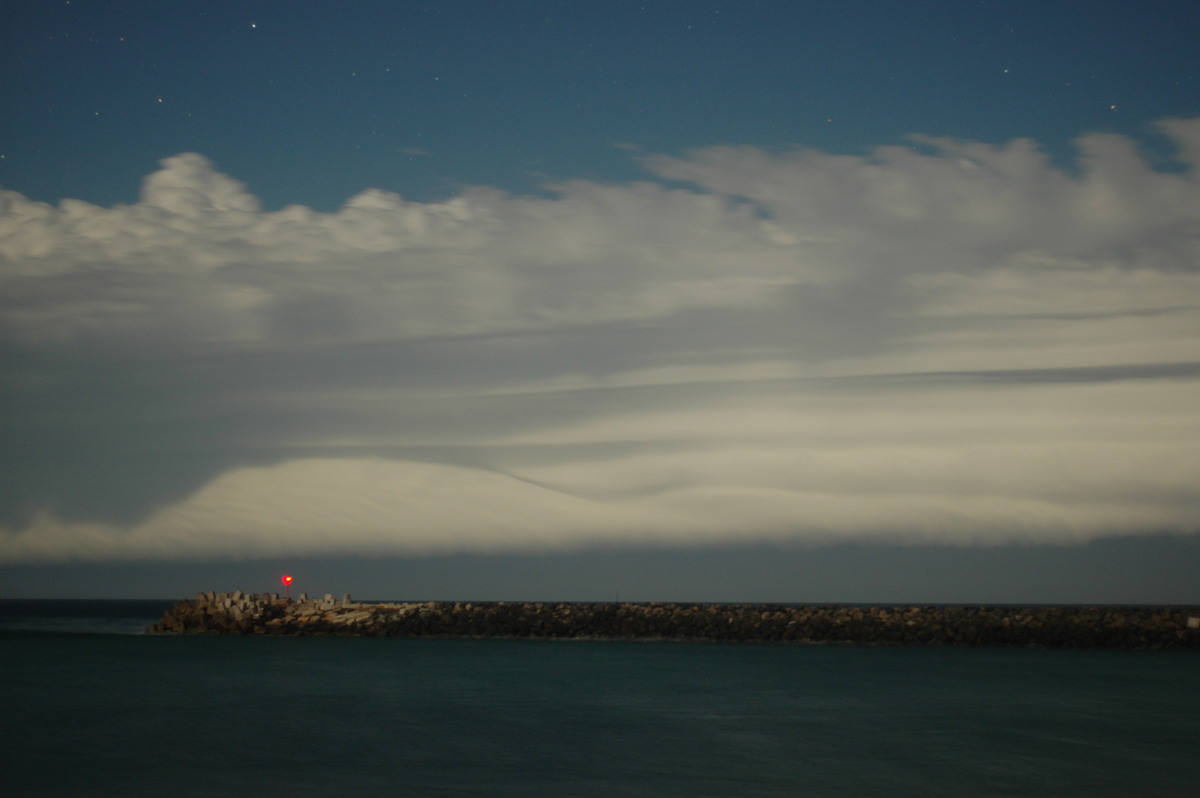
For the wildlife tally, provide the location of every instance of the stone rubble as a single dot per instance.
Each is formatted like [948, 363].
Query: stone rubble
[239, 613]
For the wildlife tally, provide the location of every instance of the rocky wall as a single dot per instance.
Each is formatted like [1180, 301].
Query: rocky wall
[1042, 627]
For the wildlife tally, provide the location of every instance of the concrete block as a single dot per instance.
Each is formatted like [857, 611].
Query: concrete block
[1194, 623]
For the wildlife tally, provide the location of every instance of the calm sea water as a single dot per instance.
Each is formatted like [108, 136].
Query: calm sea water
[89, 707]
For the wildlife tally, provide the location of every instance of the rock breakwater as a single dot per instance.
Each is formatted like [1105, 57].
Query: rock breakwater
[238, 613]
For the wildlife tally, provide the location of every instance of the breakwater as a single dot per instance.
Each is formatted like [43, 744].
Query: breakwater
[237, 613]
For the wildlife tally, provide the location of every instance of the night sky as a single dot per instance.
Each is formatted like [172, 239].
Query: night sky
[735, 301]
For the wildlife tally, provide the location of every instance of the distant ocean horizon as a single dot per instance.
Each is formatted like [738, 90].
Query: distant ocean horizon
[91, 706]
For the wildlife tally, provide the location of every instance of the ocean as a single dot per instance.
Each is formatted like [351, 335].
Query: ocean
[89, 706]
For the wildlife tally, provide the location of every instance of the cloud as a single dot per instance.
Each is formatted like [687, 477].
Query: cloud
[197, 248]
[1064, 463]
[952, 341]
[947, 204]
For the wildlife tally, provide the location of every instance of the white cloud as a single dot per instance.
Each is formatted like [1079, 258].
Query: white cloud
[385, 268]
[959, 465]
[966, 206]
[768, 354]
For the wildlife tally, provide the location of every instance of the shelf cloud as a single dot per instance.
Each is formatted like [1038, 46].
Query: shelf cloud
[945, 342]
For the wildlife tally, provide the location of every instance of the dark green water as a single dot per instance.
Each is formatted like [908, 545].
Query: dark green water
[122, 714]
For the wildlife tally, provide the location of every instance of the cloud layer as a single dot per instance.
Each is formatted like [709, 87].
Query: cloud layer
[950, 341]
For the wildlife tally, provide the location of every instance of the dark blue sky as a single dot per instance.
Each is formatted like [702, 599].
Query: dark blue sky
[313, 102]
[789, 301]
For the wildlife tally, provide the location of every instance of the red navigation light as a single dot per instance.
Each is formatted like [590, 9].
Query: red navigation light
[287, 580]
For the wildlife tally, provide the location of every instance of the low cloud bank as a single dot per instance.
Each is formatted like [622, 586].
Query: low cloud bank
[951, 342]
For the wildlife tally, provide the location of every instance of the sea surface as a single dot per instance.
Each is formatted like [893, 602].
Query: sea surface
[89, 706]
